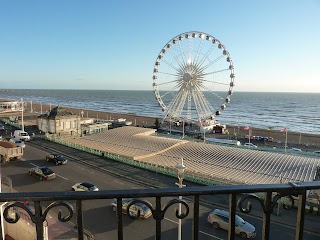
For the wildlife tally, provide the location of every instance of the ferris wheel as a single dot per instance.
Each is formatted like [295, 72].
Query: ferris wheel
[193, 77]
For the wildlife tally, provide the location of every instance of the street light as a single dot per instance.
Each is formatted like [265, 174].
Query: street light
[180, 171]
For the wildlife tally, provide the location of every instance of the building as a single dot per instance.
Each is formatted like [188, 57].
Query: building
[9, 105]
[59, 121]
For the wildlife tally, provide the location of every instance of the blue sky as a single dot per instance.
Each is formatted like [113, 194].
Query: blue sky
[77, 44]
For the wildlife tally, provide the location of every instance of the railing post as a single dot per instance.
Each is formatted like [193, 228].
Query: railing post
[196, 218]
[79, 219]
[38, 220]
[300, 217]
[266, 217]
[119, 218]
[158, 218]
[232, 216]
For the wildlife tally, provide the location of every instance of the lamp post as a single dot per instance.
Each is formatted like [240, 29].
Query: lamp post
[180, 171]
[22, 124]
[279, 201]
[183, 128]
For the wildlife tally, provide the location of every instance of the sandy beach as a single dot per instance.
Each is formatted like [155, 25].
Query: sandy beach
[142, 121]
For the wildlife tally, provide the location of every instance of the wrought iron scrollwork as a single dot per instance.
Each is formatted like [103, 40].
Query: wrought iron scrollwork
[267, 208]
[17, 214]
[34, 217]
[155, 213]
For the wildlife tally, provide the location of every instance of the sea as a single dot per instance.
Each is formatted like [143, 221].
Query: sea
[298, 112]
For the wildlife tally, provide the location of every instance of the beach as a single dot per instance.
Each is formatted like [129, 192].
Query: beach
[303, 139]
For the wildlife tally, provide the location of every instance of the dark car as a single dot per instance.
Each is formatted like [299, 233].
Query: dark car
[43, 173]
[56, 158]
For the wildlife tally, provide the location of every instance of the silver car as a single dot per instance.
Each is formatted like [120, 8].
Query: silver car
[220, 219]
[143, 209]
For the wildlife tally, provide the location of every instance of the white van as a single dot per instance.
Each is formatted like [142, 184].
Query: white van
[22, 135]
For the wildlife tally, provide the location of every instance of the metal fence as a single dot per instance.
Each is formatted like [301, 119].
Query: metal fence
[243, 193]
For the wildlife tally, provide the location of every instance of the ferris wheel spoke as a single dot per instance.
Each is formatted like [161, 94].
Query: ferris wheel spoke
[198, 51]
[174, 106]
[170, 65]
[197, 104]
[212, 62]
[213, 93]
[176, 59]
[182, 53]
[170, 91]
[165, 83]
[183, 102]
[190, 50]
[204, 102]
[204, 80]
[205, 56]
[170, 74]
[219, 71]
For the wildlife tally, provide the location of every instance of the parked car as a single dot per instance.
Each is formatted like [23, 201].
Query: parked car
[144, 210]
[84, 187]
[220, 219]
[18, 142]
[250, 145]
[56, 158]
[270, 139]
[296, 150]
[259, 138]
[43, 173]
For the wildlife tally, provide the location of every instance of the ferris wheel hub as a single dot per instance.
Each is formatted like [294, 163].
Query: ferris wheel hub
[187, 77]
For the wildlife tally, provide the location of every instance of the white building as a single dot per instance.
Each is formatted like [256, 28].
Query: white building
[59, 121]
[9, 105]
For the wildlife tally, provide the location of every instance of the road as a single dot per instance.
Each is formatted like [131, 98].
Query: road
[99, 218]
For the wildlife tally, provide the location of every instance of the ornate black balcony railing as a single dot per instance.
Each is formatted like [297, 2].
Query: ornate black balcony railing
[272, 193]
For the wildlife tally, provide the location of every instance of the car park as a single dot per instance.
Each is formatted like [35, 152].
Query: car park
[84, 187]
[136, 210]
[250, 145]
[18, 142]
[220, 219]
[43, 173]
[56, 159]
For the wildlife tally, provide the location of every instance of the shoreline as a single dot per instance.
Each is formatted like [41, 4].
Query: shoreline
[305, 139]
